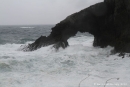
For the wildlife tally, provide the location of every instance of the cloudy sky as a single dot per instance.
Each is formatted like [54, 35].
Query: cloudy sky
[25, 12]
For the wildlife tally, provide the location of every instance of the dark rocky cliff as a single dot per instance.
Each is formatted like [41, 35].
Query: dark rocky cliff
[108, 21]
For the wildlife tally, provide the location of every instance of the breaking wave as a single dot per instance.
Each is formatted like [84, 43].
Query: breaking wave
[47, 67]
[27, 27]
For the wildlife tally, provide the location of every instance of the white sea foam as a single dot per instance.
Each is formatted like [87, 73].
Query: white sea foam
[47, 67]
[27, 27]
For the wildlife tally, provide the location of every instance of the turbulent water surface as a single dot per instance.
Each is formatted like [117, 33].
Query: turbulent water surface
[68, 67]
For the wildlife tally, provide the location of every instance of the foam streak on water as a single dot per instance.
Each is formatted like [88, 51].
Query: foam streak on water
[47, 67]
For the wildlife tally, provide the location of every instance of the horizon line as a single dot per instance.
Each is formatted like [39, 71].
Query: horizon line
[23, 24]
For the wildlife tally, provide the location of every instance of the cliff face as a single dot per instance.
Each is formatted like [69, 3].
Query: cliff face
[122, 25]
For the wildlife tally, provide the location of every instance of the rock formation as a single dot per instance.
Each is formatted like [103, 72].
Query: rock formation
[108, 21]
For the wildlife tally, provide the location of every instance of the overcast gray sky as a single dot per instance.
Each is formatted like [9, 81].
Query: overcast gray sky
[25, 12]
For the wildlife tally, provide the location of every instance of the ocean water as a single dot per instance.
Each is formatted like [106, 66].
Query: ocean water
[20, 34]
[79, 65]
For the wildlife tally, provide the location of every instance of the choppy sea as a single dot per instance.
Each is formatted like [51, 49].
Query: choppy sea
[79, 65]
